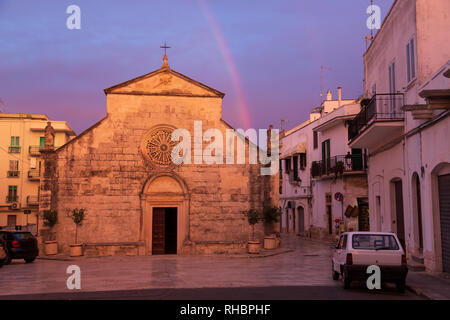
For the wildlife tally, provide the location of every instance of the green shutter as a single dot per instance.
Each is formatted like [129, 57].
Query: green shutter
[42, 141]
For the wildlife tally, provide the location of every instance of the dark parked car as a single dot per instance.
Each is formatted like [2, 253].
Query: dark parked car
[2, 252]
[20, 245]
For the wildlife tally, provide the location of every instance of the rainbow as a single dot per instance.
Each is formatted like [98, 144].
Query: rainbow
[235, 78]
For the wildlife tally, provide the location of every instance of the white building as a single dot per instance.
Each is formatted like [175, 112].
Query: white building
[316, 164]
[405, 128]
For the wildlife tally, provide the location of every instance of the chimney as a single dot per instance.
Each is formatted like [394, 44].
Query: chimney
[329, 96]
[339, 96]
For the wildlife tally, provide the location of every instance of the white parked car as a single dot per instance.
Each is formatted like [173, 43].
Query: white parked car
[356, 251]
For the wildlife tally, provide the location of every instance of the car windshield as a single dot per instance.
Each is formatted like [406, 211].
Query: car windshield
[374, 242]
[23, 235]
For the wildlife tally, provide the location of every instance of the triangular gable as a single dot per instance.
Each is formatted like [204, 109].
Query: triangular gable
[164, 82]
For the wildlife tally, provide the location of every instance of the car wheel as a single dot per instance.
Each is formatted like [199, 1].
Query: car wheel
[401, 286]
[29, 260]
[334, 274]
[347, 280]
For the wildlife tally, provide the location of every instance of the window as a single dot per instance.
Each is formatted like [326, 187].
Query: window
[374, 242]
[15, 141]
[295, 168]
[14, 165]
[392, 78]
[15, 145]
[302, 161]
[42, 141]
[326, 158]
[13, 168]
[316, 140]
[392, 87]
[288, 165]
[12, 220]
[410, 61]
[12, 194]
[280, 167]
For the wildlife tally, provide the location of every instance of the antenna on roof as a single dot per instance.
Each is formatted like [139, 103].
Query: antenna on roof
[2, 104]
[321, 81]
[281, 123]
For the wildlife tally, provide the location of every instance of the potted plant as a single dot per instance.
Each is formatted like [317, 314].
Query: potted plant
[253, 217]
[270, 216]
[50, 219]
[77, 216]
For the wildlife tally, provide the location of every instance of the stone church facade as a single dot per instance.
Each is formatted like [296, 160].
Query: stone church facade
[137, 201]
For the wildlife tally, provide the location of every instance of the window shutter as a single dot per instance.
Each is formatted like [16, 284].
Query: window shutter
[413, 60]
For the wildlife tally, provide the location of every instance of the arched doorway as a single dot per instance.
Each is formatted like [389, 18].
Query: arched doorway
[301, 220]
[417, 212]
[165, 218]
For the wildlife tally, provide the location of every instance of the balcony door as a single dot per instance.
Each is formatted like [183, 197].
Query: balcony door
[399, 212]
[326, 157]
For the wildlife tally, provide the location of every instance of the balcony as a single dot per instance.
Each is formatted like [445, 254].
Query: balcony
[13, 174]
[32, 201]
[381, 119]
[12, 198]
[35, 150]
[14, 149]
[339, 165]
[34, 175]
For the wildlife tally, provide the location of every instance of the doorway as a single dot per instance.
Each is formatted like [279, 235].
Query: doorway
[301, 221]
[444, 208]
[399, 214]
[164, 231]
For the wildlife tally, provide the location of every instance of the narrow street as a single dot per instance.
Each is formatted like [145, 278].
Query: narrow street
[303, 273]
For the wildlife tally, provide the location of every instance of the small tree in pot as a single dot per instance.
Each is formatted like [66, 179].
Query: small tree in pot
[253, 217]
[77, 216]
[50, 219]
[271, 215]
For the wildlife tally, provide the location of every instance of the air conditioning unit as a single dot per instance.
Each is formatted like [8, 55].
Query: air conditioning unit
[14, 206]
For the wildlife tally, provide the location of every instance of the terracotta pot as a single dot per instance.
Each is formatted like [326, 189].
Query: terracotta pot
[253, 246]
[76, 250]
[51, 248]
[270, 243]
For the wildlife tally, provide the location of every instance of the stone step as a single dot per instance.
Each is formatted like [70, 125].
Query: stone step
[414, 266]
[418, 259]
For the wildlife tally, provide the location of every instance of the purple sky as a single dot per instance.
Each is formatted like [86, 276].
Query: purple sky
[277, 48]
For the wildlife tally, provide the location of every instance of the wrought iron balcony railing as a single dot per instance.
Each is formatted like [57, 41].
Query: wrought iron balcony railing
[35, 150]
[13, 174]
[382, 107]
[33, 200]
[339, 165]
[34, 174]
[14, 149]
[12, 198]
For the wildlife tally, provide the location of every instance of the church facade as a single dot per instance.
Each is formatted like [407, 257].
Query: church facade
[137, 201]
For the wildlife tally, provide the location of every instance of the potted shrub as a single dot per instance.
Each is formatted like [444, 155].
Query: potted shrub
[270, 216]
[50, 219]
[253, 217]
[77, 216]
